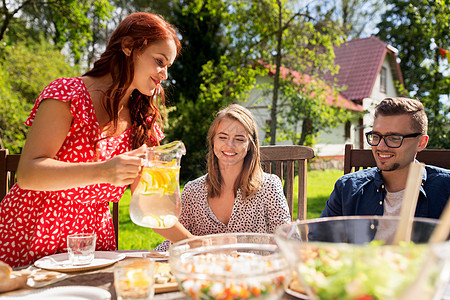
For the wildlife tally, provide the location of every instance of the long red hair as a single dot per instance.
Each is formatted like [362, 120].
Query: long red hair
[137, 32]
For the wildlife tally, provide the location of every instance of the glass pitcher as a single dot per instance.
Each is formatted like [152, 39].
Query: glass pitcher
[156, 201]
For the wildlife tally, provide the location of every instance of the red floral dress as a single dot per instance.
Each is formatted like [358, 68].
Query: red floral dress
[34, 224]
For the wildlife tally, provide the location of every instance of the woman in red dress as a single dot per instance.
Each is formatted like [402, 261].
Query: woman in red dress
[84, 145]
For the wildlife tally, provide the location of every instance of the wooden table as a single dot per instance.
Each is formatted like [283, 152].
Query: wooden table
[102, 278]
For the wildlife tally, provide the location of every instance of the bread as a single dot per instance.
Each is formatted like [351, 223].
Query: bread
[14, 282]
[296, 285]
[162, 268]
[5, 271]
[10, 281]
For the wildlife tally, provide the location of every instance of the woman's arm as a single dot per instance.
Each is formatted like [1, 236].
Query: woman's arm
[179, 232]
[38, 170]
[174, 234]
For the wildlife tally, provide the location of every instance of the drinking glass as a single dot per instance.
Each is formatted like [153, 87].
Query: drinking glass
[81, 248]
[134, 280]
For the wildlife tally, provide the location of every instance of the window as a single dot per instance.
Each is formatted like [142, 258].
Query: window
[383, 76]
[348, 127]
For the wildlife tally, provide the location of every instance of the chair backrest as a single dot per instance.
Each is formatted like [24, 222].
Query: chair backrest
[8, 168]
[356, 159]
[281, 161]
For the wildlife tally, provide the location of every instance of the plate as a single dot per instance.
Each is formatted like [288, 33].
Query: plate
[60, 262]
[158, 256]
[153, 255]
[74, 292]
[296, 294]
[41, 278]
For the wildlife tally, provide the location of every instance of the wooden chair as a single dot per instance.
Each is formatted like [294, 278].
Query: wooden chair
[115, 218]
[356, 159]
[281, 160]
[8, 168]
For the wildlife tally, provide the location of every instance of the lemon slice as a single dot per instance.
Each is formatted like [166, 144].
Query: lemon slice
[152, 221]
[169, 221]
[153, 191]
[137, 278]
[146, 176]
[160, 178]
[141, 187]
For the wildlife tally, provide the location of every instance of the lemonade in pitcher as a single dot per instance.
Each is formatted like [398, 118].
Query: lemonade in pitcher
[156, 201]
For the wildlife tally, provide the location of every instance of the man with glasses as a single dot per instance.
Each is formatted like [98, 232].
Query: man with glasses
[399, 132]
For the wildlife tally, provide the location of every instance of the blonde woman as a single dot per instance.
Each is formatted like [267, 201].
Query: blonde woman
[235, 195]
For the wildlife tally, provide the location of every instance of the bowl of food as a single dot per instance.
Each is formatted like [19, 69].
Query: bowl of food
[354, 258]
[229, 266]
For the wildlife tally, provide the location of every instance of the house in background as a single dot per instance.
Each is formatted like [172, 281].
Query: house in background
[368, 72]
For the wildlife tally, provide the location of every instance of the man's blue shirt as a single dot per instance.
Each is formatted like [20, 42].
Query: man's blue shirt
[363, 193]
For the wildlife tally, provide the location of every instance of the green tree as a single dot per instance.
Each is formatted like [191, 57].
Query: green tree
[417, 28]
[27, 67]
[311, 52]
[62, 21]
[311, 102]
[12, 115]
[278, 35]
[203, 41]
[355, 16]
[33, 65]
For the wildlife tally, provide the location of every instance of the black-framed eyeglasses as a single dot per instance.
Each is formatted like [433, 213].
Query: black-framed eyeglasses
[391, 140]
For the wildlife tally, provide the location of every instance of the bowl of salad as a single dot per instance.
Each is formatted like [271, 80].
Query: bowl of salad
[229, 266]
[354, 258]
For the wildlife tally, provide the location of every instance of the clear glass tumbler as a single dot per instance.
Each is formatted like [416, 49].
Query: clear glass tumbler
[134, 280]
[81, 248]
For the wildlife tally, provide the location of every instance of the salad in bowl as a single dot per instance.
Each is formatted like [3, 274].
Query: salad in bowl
[353, 258]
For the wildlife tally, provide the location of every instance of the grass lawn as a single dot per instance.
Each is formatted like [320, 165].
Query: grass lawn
[132, 236]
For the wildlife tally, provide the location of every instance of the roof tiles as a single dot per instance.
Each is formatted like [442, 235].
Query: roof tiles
[359, 64]
[337, 100]
[359, 61]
